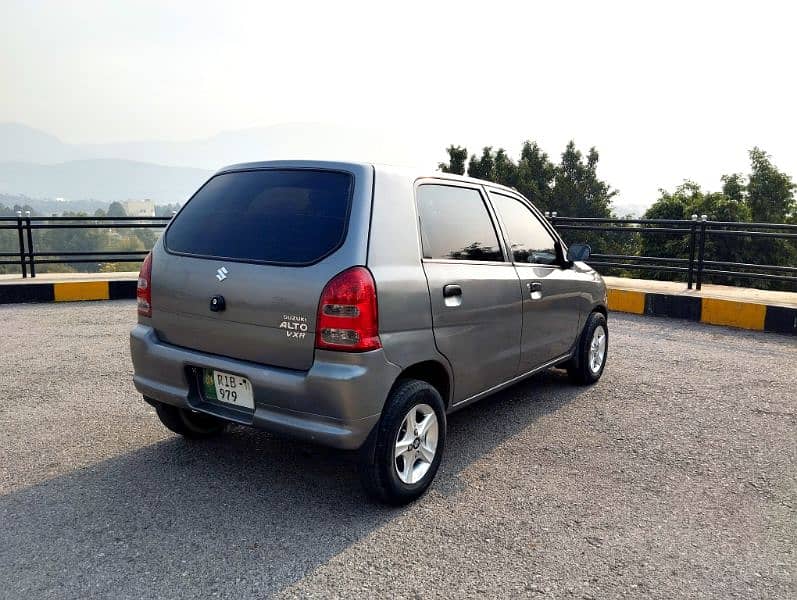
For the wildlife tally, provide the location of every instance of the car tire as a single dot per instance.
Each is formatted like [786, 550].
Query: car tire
[592, 349]
[189, 423]
[405, 448]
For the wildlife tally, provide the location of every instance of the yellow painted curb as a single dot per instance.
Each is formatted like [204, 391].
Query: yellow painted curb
[80, 290]
[744, 315]
[629, 301]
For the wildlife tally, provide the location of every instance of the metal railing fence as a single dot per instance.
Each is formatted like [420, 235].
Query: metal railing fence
[26, 256]
[689, 240]
[694, 235]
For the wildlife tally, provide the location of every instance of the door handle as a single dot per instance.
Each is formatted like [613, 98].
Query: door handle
[535, 289]
[451, 290]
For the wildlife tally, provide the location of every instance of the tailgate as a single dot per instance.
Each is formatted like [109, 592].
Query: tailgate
[269, 314]
[263, 242]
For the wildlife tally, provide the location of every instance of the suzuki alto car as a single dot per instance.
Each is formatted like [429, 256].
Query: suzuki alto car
[355, 306]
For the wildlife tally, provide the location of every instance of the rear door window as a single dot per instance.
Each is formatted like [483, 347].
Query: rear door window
[455, 224]
[528, 238]
[287, 216]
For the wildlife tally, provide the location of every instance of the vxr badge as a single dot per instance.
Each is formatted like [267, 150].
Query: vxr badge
[221, 273]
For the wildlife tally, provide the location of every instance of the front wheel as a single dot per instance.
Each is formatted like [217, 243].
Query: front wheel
[407, 444]
[587, 365]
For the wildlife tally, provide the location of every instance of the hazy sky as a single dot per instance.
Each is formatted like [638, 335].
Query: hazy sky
[665, 91]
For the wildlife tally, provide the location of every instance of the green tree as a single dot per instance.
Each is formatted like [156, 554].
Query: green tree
[535, 175]
[127, 242]
[116, 210]
[770, 193]
[457, 157]
[504, 169]
[71, 240]
[496, 166]
[734, 187]
[677, 205]
[146, 236]
[483, 167]
[770, 198]
[571, 188]
[729, 205]
[674, 205]
[166, 210]
[577, 189]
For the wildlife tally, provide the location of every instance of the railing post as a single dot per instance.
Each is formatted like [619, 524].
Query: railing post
[31, 254]
[701, 252]
[692, 236]
[20, 234]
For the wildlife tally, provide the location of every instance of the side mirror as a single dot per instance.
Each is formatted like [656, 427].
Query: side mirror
[578, 252]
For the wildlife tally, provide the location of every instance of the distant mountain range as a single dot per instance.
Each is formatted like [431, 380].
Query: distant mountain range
[20, 143]
[105, 180]
[37, 164]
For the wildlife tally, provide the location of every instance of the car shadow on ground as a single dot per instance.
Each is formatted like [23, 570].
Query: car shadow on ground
[248, 511]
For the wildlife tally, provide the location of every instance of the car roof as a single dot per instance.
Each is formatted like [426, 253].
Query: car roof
[413, 173]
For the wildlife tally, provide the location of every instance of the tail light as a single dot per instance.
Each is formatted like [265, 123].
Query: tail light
[347, 314]
[144, 288]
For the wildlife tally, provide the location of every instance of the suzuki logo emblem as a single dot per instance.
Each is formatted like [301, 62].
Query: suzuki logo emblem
[221, 273]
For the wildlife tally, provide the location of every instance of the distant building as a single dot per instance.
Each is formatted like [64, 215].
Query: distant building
[139, 208]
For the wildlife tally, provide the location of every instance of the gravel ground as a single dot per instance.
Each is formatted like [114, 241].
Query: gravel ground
[673, 477]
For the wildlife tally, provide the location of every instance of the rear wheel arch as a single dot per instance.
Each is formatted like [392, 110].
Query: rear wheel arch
[432, 372]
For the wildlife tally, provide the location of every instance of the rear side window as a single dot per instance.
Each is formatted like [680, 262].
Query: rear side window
[455, 224]
[528, 238]
[271, 216]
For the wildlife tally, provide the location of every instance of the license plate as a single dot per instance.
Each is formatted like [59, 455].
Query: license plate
[228, 388]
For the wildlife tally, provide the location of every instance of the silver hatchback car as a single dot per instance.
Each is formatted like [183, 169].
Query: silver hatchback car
[355, 306]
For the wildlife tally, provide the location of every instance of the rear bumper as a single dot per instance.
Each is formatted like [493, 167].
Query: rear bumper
[336, 403]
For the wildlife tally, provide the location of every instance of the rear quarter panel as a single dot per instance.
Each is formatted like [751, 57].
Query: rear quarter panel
[394, 258]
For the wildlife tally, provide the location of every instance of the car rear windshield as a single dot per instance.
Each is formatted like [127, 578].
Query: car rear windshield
[271, 216]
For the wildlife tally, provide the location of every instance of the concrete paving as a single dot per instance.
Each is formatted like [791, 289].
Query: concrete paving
[16, 279]
[673, 477]
[720, 292]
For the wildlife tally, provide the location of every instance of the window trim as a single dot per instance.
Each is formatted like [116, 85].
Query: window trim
[535, 213]
[343, 236]
[491, 215]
